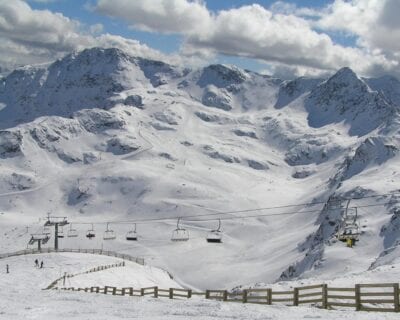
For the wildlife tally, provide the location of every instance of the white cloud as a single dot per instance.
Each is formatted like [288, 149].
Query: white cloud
[291, 8]
[165, 16]
[30, 36]
[256, 32]
[96, 28]
[376, 23]
[283, 35]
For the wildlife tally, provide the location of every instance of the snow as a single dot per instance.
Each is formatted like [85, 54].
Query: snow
[22, 296]
[100, 136]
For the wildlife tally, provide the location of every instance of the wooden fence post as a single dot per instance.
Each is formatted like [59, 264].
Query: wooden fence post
[105, 289]
[396, 293]
[225, 295]
[269, 296]
[207, 294]
[244, 299]
[114, 291]
[358, 297]
[296, 296]
[189, 294]
[325, 296]
[171, 293]
[131, 291]
[142, 292]
[155, 292]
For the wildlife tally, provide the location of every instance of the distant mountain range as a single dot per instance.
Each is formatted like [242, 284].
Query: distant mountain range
[100, 135]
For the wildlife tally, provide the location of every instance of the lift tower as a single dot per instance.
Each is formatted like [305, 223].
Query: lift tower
[56, 222]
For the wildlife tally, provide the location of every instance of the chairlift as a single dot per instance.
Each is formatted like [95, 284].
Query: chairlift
[109, 234]
[349, 230]
[132, 235]
[46, 239]
[180, 234]
[46, 230]
[61, 233]
[90, 233]
[43, 238]
[215, 236]
[72, 233]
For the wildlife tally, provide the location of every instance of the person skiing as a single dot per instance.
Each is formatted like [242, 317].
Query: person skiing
[41, 265]
[7, 268]
[37, 263]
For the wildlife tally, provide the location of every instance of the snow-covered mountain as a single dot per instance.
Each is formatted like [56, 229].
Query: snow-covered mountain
[103, 136]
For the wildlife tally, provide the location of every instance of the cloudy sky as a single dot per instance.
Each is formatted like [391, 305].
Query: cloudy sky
[285, 38]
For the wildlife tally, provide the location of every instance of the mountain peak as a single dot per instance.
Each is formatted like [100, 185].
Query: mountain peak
[222, 75]
[345, 76]
[346, 97]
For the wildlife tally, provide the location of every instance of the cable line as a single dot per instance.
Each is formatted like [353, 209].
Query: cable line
[218, 214]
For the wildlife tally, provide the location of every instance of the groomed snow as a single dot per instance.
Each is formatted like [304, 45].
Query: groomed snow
[22, 297]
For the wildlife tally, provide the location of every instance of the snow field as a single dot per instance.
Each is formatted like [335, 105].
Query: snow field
[208, 140]
[22, 297]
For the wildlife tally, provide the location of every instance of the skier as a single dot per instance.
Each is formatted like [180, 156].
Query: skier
[7, 268]
[37, 263]
[41, 265]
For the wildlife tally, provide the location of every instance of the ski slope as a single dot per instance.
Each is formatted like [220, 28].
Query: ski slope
[100, 136]
[22, 297]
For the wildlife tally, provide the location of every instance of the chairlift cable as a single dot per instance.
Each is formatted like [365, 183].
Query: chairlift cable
[187, 218]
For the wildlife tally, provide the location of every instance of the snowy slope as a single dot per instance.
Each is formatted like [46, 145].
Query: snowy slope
[102, 136]
[22, 296]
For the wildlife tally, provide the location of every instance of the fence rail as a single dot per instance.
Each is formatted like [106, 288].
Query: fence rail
[96, 269]
[91, 251]
[381, 297]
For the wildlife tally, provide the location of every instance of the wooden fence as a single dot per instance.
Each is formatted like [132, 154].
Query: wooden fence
[91, 251]
[383, 297]
[96, 269]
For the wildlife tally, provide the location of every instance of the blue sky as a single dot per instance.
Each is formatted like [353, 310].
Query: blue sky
[280, 37]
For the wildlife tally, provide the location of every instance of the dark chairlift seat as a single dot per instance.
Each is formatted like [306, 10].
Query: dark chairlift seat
[90, 234]
[132, 235]
[215, 236]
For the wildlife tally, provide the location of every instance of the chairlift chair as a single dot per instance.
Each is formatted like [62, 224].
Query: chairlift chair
[109, 234]
[46, 230]
[215, 236]
[132, 235]
[349, 229]
[72, 233]
[180, 234]
[61, 233]
[44, 238]
[90, 234]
